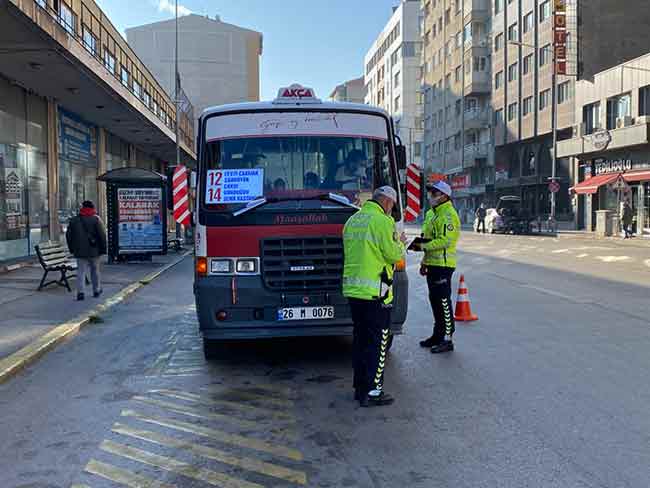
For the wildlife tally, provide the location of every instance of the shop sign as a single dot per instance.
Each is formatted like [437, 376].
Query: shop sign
[461, 181]
[77, 139]
[140, 220]
[616, 166]
[13, 189]
[601, 139]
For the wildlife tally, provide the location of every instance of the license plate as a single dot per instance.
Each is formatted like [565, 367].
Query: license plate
[305, 313]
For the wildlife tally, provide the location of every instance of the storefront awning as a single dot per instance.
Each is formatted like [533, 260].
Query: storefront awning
[591, 185]
[634, 176]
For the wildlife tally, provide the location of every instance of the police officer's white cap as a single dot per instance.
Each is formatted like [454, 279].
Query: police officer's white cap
[386, 191]
[441, 186]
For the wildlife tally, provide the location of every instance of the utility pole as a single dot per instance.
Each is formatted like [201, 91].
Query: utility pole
[177, 80]
[554, 120]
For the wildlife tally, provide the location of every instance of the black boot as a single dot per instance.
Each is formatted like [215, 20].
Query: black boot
[380, 400]
[445, 346]
[80, 297]
[430, 342]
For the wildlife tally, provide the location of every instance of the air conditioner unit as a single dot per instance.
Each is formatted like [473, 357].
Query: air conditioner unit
[579, 130]
[628, 121]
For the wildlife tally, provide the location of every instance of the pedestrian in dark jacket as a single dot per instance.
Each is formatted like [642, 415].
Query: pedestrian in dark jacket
[86, 238]
[627, 219]
[481, 213]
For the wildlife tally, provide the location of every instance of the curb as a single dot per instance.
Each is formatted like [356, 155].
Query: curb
[15, 362]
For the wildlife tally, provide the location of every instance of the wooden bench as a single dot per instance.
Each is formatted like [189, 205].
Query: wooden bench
[54, 257]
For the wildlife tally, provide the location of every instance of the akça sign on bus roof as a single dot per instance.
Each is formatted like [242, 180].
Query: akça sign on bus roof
[296, 94]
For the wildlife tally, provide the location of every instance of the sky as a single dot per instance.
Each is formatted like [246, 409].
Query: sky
[318, 43]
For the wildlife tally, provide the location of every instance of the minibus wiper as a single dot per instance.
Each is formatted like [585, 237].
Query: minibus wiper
[260, 202]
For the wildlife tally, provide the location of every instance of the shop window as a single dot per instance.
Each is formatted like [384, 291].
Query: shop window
[24, 211]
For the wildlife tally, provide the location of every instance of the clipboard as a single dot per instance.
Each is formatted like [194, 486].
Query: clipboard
[417, 241]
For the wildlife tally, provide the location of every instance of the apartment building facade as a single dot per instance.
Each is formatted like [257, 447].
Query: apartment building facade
[219, 62]
[610, 146]
[392, 75]
[76, 104]
[456, 94]
[352, 91]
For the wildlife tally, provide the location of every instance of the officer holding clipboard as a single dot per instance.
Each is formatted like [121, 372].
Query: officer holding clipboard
[440, 233]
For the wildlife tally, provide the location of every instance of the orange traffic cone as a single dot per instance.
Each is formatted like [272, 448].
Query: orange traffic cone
[463, 309]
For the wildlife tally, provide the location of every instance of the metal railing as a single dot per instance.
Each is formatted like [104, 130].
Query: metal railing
[100, 42]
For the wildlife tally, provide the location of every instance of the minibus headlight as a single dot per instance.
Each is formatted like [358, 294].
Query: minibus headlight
[220, 266]
[247, 265]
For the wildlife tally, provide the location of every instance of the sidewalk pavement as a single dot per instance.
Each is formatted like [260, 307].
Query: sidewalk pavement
[28, 315]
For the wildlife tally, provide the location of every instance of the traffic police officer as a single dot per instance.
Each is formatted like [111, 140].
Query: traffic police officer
[441, 228]
[371, 250]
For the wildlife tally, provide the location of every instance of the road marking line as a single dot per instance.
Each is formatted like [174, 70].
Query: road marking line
[647, 262]
[613, 259]
[191, 397]
[79, 486]
[122, 476]
[221, 436]
[582, 255]
[560, 251]
[175, 364]
[195, 412]
[184, 370]
[169, 464]
[250, 464]
[246, 395]
[180, 375]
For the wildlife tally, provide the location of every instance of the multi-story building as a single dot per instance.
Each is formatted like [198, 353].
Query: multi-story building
[73, 106]
[610, 146]
[218, 62]
[353, 91]
[456, 93]
[392, 75]
[523, 92]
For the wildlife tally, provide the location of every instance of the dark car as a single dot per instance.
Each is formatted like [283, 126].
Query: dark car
[516, 219]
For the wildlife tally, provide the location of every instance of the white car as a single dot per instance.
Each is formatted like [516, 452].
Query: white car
[493, 221]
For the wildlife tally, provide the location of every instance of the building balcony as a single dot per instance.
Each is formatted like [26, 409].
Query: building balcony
[478, 10]
[477, 82]
[472, 152]
[631, 132]
[477, 119]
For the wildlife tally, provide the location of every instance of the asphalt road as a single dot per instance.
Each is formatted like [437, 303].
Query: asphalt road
[548, 389]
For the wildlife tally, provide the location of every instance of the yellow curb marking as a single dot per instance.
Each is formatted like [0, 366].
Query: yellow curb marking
[32, 351]
[122, 476]
[169, 464]
[190, 397]
[219, 435]
[246, 463]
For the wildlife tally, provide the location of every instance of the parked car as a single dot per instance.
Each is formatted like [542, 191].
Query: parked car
[493, 221]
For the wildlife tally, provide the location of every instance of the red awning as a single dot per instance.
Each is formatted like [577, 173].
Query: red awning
[591, 185]
[637, 176]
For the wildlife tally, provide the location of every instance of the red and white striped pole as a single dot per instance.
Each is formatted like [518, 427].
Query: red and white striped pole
[413, 192]
[181, 196]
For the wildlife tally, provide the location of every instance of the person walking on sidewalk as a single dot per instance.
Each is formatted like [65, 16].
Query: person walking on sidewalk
[86, 239]
[627, 217]
[441, 228]
[371, 248]
[480, 215]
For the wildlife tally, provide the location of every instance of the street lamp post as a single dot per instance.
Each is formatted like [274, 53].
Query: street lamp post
[177, 103]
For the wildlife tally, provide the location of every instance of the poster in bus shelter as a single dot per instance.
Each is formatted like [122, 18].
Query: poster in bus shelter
[140, 220]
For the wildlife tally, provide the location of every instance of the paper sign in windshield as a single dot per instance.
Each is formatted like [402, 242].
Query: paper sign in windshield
[233, 185]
